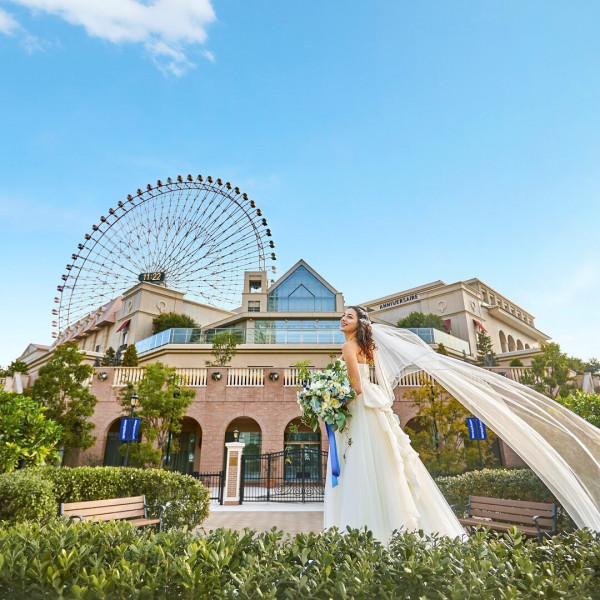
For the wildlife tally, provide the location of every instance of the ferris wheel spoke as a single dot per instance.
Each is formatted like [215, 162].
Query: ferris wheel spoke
[202, 235]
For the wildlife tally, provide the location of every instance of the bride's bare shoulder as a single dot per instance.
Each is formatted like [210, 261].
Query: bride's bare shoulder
[350, 347]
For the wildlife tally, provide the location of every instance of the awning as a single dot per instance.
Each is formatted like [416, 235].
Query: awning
[479, 325]
[125, 324]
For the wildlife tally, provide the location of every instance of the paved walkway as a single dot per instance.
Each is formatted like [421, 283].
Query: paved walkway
[262, 516]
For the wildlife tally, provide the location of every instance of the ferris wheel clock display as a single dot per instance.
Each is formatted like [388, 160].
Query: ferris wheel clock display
[194, 235]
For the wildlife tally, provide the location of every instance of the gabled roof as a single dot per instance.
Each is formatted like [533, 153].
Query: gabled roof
[302, 263]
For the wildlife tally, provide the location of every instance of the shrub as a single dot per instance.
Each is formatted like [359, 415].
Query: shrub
[516, 484]
[172, 320]
[114, 560]
[26, 495]
[186, 499]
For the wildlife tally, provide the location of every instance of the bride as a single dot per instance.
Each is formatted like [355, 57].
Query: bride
[383, 484]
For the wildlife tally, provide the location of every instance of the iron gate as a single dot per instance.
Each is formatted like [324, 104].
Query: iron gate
[214, 482]
[293, 475]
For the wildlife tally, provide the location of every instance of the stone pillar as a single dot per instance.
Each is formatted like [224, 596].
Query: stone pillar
[233, 472]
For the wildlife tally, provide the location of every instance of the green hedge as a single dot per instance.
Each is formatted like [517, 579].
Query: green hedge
[26, 495]
[516, 484]
[114, 560]
[186, 499]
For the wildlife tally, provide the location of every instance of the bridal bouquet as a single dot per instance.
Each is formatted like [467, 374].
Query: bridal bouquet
[324, 396]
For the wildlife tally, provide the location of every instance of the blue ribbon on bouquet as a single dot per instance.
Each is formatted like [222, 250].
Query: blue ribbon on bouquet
[335, 463]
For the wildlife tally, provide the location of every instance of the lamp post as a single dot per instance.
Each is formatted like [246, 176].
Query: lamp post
[176, 394]
[133, 402]
[236, 435]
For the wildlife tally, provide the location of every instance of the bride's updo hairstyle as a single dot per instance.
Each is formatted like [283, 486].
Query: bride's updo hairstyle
[364, 334]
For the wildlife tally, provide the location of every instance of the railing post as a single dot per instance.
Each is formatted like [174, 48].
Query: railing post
[268, 477]
[233, 472]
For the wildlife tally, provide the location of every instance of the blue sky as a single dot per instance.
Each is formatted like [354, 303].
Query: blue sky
[389, 143]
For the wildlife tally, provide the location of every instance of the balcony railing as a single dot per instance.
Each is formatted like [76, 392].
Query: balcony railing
[246, 377]
[189, 377]
[244, 336]
[282, 336]
[435, 336]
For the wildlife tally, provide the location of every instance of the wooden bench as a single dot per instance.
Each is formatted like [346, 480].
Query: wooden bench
[532, 518]
[132, 509]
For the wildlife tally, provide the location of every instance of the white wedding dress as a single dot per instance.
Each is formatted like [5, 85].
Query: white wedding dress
[383, 484]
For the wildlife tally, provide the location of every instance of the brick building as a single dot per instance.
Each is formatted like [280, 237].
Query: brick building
[293, 319]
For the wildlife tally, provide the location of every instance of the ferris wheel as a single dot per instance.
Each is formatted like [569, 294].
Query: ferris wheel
[194, 235]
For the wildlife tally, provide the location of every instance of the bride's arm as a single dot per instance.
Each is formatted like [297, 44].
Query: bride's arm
[349, 356]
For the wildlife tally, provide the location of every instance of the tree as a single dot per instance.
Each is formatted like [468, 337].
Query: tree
[16, 366]
[585, 405]
[130, 357]
[108, 360]
[27, 436]
[485, 353]
[550, 372]
[441, 349]
[223, 348]
[172, 320]
[592, 366]
[440, 433]
[418, 319]
[61, 388]
[515, 362]
[162, 404]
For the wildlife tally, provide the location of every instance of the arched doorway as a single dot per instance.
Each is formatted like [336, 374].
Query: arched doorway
[303, 451]
[251, 435]
[112, 455]
[299, 435]
[183, 454]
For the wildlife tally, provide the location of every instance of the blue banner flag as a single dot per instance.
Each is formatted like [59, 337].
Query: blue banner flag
[477, 429]
[135, 429]
[124, 430]
[128, 431]
[481, 430]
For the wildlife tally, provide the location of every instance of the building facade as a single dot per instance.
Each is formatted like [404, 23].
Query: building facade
[295, 318]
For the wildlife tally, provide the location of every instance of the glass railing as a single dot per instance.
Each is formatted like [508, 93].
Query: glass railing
[281, 336]
[244, 336]
[435, 336]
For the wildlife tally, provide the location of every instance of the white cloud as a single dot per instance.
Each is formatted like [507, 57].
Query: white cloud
[8, 25]
[164, 27]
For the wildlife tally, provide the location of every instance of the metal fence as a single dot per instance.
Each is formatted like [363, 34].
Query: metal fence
[214, 482]
[296, 474]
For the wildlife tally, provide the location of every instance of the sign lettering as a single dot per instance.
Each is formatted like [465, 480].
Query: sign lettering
[398, 301]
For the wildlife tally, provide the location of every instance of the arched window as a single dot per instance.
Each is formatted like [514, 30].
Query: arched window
[511, 344]
[520, 345]
[503, 344]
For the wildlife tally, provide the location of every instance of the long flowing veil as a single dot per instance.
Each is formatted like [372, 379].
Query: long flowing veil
[561, 447]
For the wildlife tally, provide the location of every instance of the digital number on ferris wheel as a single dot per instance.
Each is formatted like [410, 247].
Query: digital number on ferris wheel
[155, 277]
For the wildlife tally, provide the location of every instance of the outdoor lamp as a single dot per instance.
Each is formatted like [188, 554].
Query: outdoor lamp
[216, 376]
[133, 400]
[236, 435]
[273, 376]
[102, 376]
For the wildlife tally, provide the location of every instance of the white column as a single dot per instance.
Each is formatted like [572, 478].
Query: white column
[233, 472]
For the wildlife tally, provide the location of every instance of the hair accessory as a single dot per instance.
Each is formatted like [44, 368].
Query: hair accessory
[365, 321]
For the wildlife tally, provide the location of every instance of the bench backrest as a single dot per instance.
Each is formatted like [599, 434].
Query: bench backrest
[518, 512]
[106, 510]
